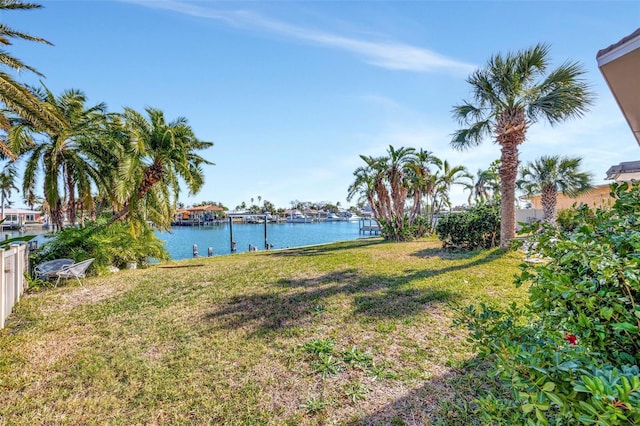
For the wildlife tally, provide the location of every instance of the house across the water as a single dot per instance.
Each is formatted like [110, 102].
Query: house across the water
[198, 216]
[17, 218]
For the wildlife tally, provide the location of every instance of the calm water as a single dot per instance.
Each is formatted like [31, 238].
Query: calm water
[282, 235]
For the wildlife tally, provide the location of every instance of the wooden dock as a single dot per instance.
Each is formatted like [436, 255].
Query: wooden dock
[370, 226]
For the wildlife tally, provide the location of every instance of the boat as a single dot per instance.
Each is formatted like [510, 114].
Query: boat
[349, 217]
[297, 217]
[332, 217]
[270, 218]
[255, 219]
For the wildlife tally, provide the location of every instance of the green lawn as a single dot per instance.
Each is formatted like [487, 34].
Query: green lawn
[357, 332]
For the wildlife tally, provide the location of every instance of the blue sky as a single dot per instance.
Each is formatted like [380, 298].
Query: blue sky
[292, 92]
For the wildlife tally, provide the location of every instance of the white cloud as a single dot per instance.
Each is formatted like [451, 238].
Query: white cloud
[384, 54]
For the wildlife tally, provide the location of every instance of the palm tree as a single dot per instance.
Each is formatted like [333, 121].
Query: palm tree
[70, 157]
[444, 180]
[549, 175]
[16, 97]
[422, 184]
[364, 187]
[397, 170]
[7, 184]
[384, 183]
[483, 186]
[159, 153]
[509, 95]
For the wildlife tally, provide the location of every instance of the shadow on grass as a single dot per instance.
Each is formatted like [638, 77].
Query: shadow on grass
[294, 302]
[445, 254]
[394, 303]
[328, 248]
[484, 257]
[377, 296]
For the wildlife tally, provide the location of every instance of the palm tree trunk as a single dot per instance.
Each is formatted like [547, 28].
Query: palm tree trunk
[56, 215]
[152, 175]
[511, 128]
[548, 198]
[508, 174]
[71, 207]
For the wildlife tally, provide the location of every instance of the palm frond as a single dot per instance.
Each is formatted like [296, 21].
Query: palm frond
[467, 113]
[16, 64]
[472, 136]
[562, 95]
[18, 5]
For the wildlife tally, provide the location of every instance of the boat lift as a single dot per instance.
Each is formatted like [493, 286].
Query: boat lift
[232, 242]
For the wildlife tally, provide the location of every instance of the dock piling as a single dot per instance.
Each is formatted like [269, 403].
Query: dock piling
[266, 241]
[231, 241]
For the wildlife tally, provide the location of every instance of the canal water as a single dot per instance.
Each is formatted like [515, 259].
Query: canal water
[279, 235]
[180, 241]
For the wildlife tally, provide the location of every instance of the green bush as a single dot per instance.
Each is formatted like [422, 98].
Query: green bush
[571, 355]
[591, 286]
[401, 230]
[113, 244]
[569, 219]
[478, 227]
[421, 227]
[547, 379]
[395, 230]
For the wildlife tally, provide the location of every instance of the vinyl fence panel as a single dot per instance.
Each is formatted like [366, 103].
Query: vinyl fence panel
[14, 262]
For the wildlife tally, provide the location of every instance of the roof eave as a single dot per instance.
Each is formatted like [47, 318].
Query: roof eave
[619, 65]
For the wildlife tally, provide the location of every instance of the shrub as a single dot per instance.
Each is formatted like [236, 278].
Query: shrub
[547, 379]
[571, 355]
[421, 227]
[569, 219]
[401, 230]
[591, 286]
[393, 231]
[478, 227]
[109, 243]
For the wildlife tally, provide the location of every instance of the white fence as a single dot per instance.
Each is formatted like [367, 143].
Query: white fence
[14, 262]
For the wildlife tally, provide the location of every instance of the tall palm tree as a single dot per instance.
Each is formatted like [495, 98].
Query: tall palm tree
[510, 94]
[70, 157]
[159, 153]
[549, 175]
[16, 97]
